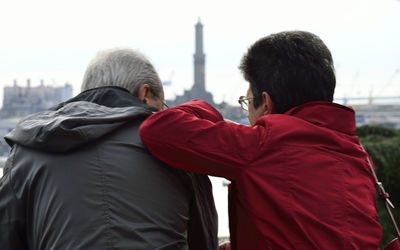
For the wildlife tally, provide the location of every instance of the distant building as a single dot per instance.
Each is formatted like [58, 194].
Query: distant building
[21, 101]
[387, 115]
[198, 90]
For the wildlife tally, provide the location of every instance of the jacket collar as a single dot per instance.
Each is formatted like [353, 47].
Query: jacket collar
[327, 114]
[109, 96]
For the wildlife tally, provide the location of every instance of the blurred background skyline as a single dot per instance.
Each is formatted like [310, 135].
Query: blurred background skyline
[55, 40]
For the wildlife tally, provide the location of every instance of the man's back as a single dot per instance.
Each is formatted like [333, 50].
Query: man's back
[108, 192]
[311, 187]
[111, 194]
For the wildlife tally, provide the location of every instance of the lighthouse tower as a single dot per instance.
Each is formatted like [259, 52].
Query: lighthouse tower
[198, 90]
[199, 60]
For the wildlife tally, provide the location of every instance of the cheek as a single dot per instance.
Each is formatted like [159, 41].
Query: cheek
[254, 114]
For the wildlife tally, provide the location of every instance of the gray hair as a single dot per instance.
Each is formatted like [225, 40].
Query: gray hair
[124, 68]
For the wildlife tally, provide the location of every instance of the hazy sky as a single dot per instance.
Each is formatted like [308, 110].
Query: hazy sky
[55, 40]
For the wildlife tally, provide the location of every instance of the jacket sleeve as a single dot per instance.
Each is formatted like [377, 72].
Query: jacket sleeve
[194, 137]
[12, 215]
[203, 223]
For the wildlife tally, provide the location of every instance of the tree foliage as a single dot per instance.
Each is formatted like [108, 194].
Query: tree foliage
[383, 145]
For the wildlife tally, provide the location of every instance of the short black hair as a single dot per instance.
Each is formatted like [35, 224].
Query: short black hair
[293, 67]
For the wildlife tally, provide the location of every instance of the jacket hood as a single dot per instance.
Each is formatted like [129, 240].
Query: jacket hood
[80, 120]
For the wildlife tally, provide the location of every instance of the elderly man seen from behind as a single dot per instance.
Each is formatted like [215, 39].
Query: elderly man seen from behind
[79, 177]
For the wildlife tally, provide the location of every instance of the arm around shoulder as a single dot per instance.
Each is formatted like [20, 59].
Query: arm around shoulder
[194, 137]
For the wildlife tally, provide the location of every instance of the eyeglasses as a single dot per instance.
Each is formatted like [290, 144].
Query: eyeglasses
[244, 102]
[165, 106]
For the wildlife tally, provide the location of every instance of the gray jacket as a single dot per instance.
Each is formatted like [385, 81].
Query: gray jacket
[79, 177]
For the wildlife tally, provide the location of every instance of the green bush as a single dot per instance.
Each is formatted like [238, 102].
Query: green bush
[383, 145]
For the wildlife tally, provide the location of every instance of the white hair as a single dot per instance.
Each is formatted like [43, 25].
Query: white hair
[124, 68]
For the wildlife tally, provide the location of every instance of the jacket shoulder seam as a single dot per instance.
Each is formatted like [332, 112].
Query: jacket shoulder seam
[264, 141]
[105, 205]
[11, 167]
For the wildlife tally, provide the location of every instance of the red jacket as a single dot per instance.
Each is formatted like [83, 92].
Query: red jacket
[300, 180]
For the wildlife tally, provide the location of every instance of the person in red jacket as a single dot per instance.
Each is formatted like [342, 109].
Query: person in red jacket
[299, 176]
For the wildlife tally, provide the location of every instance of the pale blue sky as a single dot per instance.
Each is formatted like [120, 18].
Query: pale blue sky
[54, 40]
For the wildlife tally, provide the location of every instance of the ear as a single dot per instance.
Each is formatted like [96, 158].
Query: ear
[268, 104]
[144, 93]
